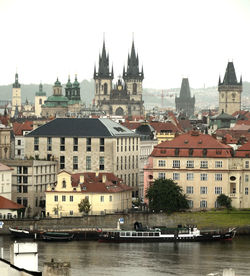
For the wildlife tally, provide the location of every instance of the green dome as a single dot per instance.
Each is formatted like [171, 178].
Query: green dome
[68, 84]
[57, 83]
[76, 83]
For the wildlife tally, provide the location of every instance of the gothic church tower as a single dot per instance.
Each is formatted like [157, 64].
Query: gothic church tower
[230, 91]
[103, 79]
[16, 96]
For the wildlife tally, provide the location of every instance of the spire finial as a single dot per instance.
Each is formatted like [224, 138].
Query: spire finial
[133, 38]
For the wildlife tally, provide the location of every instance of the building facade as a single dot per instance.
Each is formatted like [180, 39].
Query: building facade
[30, 180]
[5, 181]
[87, 144]
[185, 103]
[106, 194]
[203, 167]
[125, 98]
[230, 91]
[7, 142]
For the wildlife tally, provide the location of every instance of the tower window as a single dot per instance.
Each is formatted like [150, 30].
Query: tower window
[134, 88]
[105, 88]
[40, 101]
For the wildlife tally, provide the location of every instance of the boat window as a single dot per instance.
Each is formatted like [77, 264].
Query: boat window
[145, 234]
[139, 234]
[127, 234]
[157, 234]
[151, 234]
[134, 234]
[122, 234]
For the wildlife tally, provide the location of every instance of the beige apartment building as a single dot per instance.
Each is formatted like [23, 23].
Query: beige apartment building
[30, 180]
[203, 167]
[88, 145]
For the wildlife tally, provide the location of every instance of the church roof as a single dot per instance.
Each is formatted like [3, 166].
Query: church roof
[230, 75]
[81, 127]
[185, 89]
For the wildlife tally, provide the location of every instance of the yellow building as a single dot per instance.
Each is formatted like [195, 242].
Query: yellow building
[106, 194]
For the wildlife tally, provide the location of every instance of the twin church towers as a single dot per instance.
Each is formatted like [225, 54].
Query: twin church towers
[125, 97]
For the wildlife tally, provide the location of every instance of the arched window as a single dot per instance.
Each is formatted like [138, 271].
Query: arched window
[134, 88]
[105, 88]
[40, 101]
[64, 184]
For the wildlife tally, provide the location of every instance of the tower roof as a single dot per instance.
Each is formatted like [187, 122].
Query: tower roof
[68, 84]
[185, 89]
[16, 84]
[76, 83]
[230, 76]
[40, 92]
[57, 83]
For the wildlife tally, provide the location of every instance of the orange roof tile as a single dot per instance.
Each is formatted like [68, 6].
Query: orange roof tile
[9, 204]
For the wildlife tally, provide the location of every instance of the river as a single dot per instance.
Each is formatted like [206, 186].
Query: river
[94, 258]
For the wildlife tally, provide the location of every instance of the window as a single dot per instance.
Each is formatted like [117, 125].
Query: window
[71, 213]
[75, 162]
[25, 170]
[62, 144]
[105, 88]
[189, 189]
[218, 190]
[117, 145]
[246, 178]
[190, 164]
[176, 176]
[19, 142]
[25, 179]
[218, 164]
[63, 184]
[136, 162]
[204, 164]
[190, 203]
[49, 143]
[161, 163]
[110, 198]
[203, 190]
[18, 152]
[176, 163]
[247, 164]
[133, 162]
[134, 88]
[25, 202]
[88, 162]
[246, 190]
[71, 198]
[190, 176]
[19, 188]
[75, 144]
[101, 144]
[203, 176]
[36, 143]
[102, 198]
[19, 200]
[101, 161]
[62, 162]
[88, 147]
[55, 198]
[19, 169]
[161, 175]
[25, 189]
[63, 198]
[203, 204]
[218, 177]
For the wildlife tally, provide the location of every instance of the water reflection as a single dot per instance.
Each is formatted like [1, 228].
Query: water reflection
[95, 258]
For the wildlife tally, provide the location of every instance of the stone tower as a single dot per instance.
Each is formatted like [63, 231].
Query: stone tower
[185, 103]
[40, 98]
[103, 79]
[133, 78]
[16, 96]
[230, 91]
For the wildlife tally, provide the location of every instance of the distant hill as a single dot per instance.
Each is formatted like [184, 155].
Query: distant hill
[204, 97]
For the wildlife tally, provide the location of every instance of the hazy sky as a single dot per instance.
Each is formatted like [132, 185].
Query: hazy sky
[44, 39]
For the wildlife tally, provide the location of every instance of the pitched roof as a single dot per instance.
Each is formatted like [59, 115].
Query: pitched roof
[81, 127]
[243, 151]
[18, 128]
[192, 144]
[9, 204]
[230, 76]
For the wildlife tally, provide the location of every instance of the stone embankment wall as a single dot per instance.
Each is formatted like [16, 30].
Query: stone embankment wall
[110, 221]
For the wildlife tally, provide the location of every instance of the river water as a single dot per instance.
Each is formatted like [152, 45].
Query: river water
[94, 258]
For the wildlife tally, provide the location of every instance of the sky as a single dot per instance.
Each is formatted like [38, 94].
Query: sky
[46, 39]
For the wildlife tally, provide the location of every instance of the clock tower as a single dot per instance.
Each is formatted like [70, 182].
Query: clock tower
[230, 91]
[16, 96]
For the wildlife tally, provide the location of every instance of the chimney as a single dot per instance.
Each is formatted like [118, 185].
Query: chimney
[81, 178]
[104, 178]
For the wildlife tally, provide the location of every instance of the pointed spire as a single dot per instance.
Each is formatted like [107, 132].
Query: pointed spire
[230, 75]
[40, 87]
[241, 79]
[16, 84]
[112, 71]
[185, 89]
[219, 80]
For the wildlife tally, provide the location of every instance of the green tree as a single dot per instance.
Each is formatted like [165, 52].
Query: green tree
[84, 206]
[166, 195]
[224, 201]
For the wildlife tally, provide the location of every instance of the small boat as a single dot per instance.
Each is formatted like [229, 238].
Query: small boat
[21, 233]
[57, 236]
[164, 234]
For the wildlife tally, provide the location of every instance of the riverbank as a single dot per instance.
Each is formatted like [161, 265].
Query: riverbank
[204, 220]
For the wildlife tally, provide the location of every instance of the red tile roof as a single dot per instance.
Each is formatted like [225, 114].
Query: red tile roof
[9, 204]
[18, 128]
[243, 151]
[193, 144]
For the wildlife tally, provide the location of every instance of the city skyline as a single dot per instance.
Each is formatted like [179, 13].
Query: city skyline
[43, 40]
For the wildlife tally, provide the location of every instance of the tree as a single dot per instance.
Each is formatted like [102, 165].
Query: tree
[224, 201]
[166, 195]
[56, 209]
[84, 206]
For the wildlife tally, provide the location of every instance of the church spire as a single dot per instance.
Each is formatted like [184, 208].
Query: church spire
[230, 75]
[16, 84]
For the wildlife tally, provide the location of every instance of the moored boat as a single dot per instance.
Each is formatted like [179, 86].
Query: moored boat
[57, 236]
[164, 234]
[21, 233]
